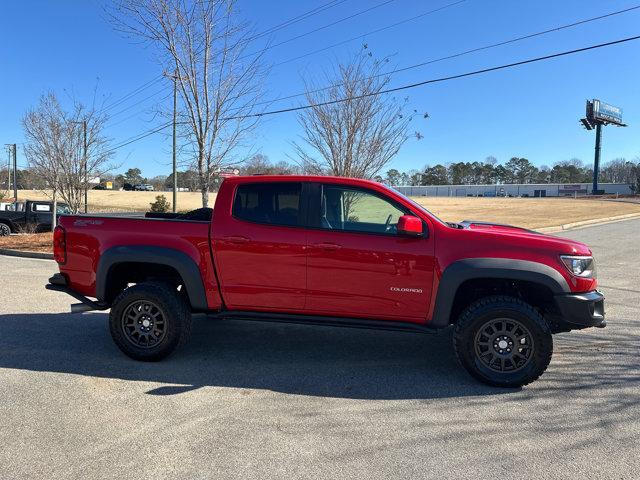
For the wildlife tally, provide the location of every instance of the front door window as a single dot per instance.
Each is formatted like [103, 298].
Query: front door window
[355, 210]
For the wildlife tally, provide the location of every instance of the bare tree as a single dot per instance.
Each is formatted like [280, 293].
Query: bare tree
[260, 164]
[54, 147]
[204, 43]
[620, 170]
[353, 128]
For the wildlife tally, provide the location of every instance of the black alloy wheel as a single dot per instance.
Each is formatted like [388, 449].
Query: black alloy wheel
[504, 345]
[143, 324]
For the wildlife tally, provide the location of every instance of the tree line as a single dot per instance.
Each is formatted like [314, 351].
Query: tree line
[515, 170]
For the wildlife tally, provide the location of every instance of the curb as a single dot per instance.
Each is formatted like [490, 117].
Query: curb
[25, 254]
[588, 223]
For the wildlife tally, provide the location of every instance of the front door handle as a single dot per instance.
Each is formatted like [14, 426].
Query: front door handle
[237, 240]
[327, 246]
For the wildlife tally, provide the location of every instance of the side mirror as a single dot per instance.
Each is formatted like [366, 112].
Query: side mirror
[410, 225]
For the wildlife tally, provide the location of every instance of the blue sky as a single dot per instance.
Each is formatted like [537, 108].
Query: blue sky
[530, 111]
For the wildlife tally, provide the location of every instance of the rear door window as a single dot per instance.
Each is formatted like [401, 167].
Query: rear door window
[269, 203]
[41, 207]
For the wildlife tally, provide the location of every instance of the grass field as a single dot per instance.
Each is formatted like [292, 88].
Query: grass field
[119, 201]
[524, 212]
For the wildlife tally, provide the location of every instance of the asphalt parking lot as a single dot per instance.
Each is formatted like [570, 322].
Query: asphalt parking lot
[251, 400]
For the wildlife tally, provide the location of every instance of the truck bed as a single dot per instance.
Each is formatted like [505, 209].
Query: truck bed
[88, 237]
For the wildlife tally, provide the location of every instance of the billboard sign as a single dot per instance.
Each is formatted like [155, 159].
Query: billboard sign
[603, 112]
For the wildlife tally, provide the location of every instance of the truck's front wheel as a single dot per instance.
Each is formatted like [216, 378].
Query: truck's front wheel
[503, 341]
[149, 320]
[5, 230]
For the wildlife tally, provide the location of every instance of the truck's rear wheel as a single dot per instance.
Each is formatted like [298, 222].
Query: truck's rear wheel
[149, 320]
[5, 230]
[503, 341]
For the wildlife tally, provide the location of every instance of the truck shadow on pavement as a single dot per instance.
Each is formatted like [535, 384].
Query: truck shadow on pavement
[316, 361]
[303, 360]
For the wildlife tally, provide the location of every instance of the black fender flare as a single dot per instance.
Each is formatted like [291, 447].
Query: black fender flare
[180, 261]
[460, 271]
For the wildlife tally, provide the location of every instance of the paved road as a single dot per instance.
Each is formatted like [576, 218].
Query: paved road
[274, 401]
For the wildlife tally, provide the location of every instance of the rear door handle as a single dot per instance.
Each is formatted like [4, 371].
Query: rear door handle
[327, 246]
[236, 239]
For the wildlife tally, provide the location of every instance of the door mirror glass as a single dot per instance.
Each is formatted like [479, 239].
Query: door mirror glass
[410, 225]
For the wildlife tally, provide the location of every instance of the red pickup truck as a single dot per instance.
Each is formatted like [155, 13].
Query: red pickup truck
[331, 251]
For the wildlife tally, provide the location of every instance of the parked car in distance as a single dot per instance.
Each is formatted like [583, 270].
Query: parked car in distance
[23, 215]
[335, 252]
[144, 188]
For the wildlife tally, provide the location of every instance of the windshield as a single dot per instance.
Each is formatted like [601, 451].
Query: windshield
[416, 205]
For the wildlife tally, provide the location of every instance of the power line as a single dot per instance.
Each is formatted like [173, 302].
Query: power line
[437, 80]
[428, 62]
[344, 19]
[407, 20]
[128, 117]
[134, 92]
[280, 26]
[299, 18]
[467, 52]
[270, 30]
[398, 70]
[397, 89]
[138, 137]
[139, 102]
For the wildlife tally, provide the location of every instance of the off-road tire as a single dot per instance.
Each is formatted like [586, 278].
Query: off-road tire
[471, 337]
[173, 309]
[5, 230]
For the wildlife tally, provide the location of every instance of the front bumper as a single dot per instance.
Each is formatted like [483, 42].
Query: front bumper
[581, 310]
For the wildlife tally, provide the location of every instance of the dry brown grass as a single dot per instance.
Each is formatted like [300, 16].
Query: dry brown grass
[36, 242]
[120, 201]
[525, 212]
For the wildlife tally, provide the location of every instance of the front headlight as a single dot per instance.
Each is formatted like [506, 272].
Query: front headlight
[580, 266]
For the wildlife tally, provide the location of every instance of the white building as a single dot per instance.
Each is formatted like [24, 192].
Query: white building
[513, 190]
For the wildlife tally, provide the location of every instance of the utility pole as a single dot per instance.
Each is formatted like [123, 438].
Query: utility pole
[15, 172]
[175, 170]
[86, 179]
[12, 147]
[8, 169]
